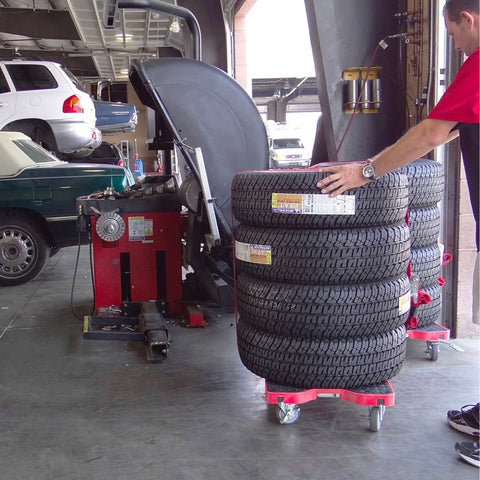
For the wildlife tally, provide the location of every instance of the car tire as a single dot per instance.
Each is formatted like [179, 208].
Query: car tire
[383, 202]
[427, 265]
[23, 249]
[424, 226]
[426, 182]
[324, 311]
[304, 363]
[327, 256]
[430, 313]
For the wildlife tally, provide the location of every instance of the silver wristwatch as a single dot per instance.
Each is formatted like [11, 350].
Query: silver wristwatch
[368, 171]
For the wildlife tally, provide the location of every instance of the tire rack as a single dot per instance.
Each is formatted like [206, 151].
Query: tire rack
[376, 397]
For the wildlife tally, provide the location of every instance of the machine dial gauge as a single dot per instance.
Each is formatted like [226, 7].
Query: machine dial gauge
[110, 226]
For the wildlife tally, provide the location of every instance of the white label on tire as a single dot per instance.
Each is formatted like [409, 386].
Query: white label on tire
[252, 253]
[404, 303]
[313, 204]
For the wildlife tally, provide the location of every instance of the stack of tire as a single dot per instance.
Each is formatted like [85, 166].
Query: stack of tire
[425, 186]
[322, 298]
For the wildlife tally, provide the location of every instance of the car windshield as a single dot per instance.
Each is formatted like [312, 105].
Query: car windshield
[287, 143]
[73, 78]
[34, 151]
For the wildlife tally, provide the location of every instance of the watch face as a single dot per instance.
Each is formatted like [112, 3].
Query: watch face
[368, 171]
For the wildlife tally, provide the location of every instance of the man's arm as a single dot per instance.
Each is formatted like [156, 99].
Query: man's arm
[416, 143]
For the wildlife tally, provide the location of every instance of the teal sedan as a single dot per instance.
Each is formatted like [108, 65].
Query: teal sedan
[38, 210]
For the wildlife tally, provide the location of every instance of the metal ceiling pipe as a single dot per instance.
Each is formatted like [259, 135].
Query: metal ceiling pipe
[176, 11]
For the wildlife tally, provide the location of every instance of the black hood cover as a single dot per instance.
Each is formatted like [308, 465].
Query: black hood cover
[206, 108]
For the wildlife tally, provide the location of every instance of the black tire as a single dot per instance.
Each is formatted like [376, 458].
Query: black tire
[431, 312]
[427, 264]
[23, 249]
[342, 363]
[425, 182]
[382, 202]
[424, 224]
[327, 256]
[323, 311]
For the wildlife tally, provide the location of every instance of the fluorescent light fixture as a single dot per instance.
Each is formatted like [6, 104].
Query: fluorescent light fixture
[127, 37]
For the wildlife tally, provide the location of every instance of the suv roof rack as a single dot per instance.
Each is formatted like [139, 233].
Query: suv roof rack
[21, 57]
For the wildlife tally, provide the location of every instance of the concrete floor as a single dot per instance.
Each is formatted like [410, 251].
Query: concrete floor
[81, 409]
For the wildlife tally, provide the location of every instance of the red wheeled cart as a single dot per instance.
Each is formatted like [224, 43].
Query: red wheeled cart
[433, 333]
[376, 397]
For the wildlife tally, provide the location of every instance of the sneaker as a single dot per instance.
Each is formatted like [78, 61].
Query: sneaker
[465, 420]
[469, 451]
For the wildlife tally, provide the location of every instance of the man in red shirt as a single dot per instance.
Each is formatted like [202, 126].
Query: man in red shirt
[456, 114]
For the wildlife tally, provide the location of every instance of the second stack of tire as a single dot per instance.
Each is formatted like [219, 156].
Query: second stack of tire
[425, 185]
[325, 306]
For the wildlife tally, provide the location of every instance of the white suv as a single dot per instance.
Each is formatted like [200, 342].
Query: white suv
[46, 102]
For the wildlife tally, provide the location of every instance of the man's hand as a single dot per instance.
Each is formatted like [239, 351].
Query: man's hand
[341, 178]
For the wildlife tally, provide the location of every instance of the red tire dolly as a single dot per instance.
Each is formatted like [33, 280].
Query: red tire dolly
[431, 334]
[376, 397]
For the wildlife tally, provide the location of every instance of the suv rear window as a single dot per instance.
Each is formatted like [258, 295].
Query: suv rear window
[31, 77]
[73, 78]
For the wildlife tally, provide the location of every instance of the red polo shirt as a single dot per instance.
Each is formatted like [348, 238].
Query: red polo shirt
[460, 101]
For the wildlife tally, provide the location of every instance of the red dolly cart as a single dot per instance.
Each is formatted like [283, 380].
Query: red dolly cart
[376, 397]
[433, 333]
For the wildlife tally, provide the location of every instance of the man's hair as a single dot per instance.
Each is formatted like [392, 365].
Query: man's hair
[453, 8]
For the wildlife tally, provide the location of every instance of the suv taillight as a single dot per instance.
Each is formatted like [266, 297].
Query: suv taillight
[72, 105]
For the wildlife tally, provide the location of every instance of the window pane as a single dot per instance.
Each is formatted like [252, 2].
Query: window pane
[31, 77]
[34, 151]
[74, 79]
[287, 143]
[4, 88]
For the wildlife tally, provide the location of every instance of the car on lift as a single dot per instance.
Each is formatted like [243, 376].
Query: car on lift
[106, 153]
[115, 117]
[45, 101]
[38, 210]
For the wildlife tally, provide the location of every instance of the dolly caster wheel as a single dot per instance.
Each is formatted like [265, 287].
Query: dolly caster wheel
[288, 413]
[432, 350]
[376, 417]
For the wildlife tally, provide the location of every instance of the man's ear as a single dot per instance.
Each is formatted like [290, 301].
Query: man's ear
[468, 17]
